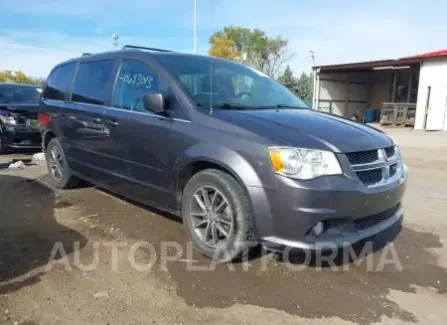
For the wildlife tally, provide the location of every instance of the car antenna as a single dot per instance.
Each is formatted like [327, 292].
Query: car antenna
[211, 87]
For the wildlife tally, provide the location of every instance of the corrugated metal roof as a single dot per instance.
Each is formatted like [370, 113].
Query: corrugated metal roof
[372, 64]
[428, 54]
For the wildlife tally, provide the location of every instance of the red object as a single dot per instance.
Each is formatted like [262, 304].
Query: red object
[427, 55]
[44, 119]
[381, 63]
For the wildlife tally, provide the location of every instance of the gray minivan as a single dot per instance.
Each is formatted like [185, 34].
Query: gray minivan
[236, 155]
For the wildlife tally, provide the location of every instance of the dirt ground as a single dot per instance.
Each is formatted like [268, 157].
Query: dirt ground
[85, 222]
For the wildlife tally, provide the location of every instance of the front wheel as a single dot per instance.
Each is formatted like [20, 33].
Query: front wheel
[217, 215]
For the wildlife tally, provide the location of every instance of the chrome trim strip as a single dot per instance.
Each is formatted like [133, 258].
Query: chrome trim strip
[381, 154]
[385, 181]
[383, 163]
[148, 114]
[73, 104]
[359, 168]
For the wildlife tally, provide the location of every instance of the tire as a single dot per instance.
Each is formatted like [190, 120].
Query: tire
[64, 178]
[2, 146]
[239, 239]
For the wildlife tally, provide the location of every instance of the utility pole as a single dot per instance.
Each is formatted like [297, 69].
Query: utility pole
[195, 26]
[314, 78]
[195, 42]
[312, 55]
[115, 38]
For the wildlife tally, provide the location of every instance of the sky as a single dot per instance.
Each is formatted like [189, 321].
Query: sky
[37, 34]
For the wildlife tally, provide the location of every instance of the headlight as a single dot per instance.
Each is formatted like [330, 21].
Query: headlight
[303, 163]
[11, 120]
[8, 120]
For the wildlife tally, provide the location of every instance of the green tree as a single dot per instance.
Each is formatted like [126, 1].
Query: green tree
[223, 47]
[238, 35]
[302, 86]
[288, 79]
[270, 54]
[265, 53]
[20, 77]
[6, 76]
[305, 86]
[40, 81]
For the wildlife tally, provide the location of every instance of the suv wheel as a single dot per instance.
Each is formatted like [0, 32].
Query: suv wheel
[2, 146]
[217, 215]
[58, 167]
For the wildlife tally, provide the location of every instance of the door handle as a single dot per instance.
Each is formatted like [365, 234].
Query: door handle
[112, 123]
[96, 120]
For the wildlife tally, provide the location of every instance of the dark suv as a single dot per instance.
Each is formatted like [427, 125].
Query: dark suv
[19, 125]
[235, 154]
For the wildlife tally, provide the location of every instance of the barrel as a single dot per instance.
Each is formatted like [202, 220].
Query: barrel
[370, 115]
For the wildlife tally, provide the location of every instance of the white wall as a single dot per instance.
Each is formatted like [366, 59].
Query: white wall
[330, 90]
[331, 86]
[433, 73]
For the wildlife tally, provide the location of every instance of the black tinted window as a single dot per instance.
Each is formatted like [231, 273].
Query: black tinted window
[92, 80]
[19, 94]
[59, 81]
[135, 79]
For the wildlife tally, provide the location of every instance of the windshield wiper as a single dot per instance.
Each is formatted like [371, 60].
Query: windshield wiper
[225, 105]
[247, 107]
[282, 106]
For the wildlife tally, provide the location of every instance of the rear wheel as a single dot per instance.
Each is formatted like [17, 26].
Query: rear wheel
[217, 216]
[58, 167]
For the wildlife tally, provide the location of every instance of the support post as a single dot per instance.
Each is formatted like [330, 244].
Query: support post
[345, 111]
[393, 93]
[317, 89]
[410, 86]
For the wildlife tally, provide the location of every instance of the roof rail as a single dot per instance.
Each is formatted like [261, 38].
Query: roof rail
[144, 48]
[85, 54]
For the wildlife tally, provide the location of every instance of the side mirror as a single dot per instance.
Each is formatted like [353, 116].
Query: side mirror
[154, 102]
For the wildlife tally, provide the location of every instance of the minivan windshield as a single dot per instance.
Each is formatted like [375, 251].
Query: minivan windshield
[229, 85]
[19, 94]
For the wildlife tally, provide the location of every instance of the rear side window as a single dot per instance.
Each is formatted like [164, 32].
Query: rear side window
[92, 80]
[59, 82]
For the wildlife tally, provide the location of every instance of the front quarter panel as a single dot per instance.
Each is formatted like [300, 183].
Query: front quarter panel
[246, 159]
[242, 154]
[256, 177]
[231, 160]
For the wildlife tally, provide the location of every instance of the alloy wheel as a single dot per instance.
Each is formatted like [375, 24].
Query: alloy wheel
[212, 218]
[56, 163]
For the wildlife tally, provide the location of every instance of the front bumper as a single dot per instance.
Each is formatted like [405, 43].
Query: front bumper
[21, 138]
[349, 210]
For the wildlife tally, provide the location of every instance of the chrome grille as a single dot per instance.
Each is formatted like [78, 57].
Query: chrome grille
[362, 157]
[390, 151]
[393, 169]
[376, 167]
[370, 221]
[370, 177]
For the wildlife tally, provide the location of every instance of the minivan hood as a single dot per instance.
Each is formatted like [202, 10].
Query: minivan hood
[307, 128]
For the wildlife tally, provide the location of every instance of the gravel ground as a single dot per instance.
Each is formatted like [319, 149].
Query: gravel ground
[401, 283]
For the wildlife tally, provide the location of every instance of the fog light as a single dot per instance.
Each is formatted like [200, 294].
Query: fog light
[318, 229]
